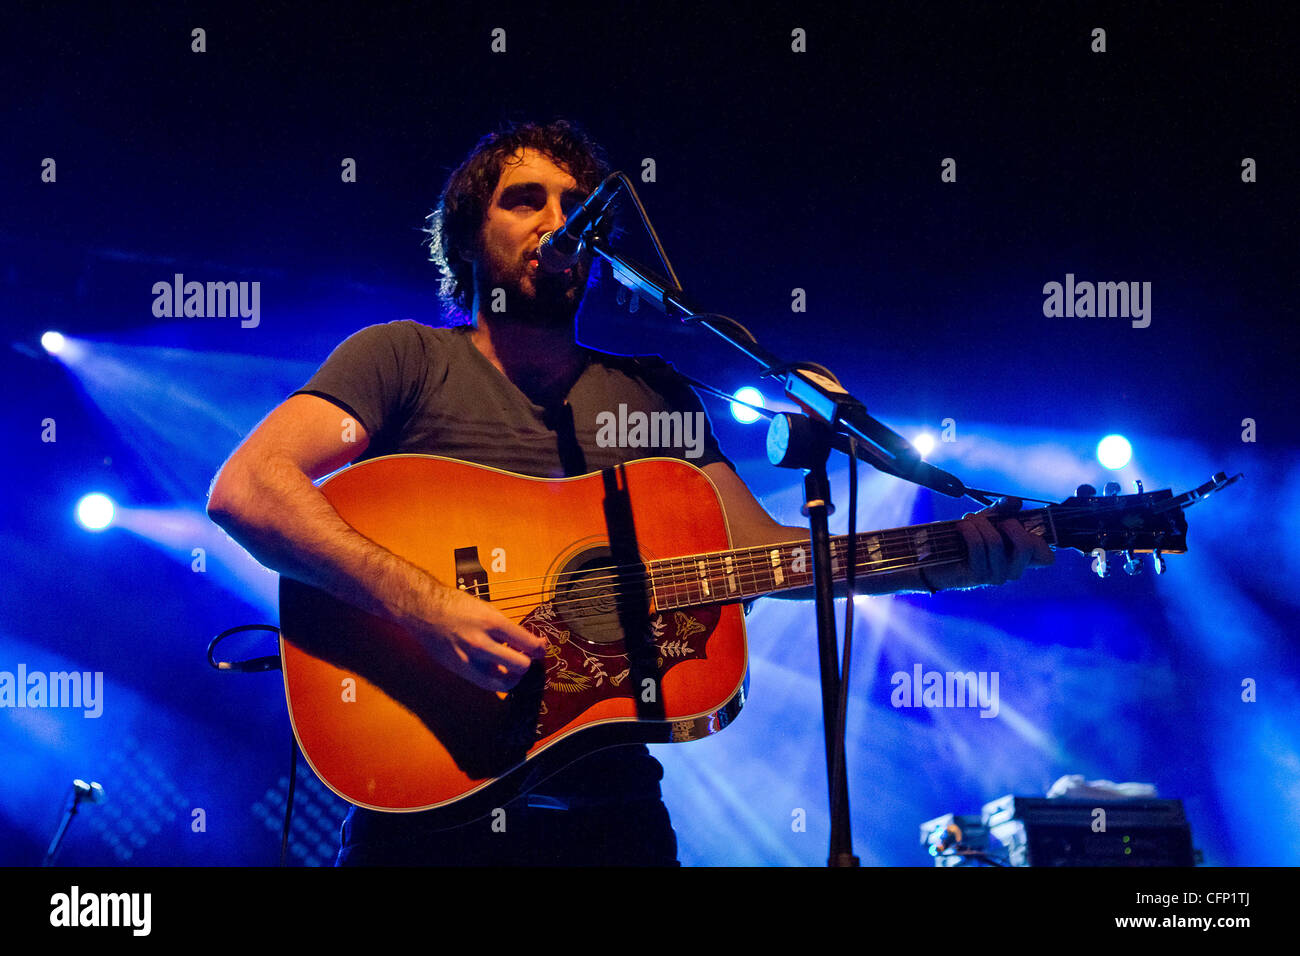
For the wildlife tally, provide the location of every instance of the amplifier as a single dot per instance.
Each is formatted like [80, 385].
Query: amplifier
[1041, 831]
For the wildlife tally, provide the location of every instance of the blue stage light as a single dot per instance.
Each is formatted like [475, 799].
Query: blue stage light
[53, 342]
[741, 413]
[95, 512]
[1114, 451]
[923, 443]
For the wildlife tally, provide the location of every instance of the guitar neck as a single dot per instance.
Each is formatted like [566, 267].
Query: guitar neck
[726, 577]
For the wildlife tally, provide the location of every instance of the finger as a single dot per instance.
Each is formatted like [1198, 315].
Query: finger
[478, 670]
[977, 551]
[520, 638]
[493, 678]
[1022, 549]
[486, 651]
[1043, 553]
[994, 548]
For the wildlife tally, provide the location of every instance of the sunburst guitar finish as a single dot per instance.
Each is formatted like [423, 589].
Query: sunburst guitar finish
[387, 728]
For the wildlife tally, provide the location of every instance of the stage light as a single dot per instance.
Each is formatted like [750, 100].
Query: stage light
[95, 512]
[1114, 451]
[923, 443]
[53, 342]
[742, 413]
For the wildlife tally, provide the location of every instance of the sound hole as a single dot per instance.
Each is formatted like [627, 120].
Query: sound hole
[585, 597]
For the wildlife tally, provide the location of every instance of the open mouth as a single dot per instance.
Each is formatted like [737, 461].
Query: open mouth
[534, 264]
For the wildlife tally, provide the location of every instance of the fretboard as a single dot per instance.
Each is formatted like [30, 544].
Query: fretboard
[726, 577]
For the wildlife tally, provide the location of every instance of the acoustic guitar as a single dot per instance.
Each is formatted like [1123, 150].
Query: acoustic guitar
[628, 573]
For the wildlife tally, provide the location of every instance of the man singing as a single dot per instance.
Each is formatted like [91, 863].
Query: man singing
[514, 390]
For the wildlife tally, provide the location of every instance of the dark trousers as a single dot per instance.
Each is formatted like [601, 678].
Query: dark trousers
[629, 834]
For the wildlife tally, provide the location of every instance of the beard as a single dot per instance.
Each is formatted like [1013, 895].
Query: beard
[532, 297]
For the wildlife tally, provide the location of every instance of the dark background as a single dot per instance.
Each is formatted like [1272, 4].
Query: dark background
[775, 170]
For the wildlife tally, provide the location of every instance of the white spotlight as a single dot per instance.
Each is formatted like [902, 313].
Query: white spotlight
[95, 512]
[742, 413]
[1114, 451]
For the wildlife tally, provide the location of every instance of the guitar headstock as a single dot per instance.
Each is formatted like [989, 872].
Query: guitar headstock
[1142, 523]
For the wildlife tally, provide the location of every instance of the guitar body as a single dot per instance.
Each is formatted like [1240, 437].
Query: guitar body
[388, 729]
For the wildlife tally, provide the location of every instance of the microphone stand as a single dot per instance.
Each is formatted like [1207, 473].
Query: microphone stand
[80, 790]
[831, 416]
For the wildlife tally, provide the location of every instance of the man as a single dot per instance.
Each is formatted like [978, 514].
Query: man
[514, 390]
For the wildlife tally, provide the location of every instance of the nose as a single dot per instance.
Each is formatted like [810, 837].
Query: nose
[554, 218]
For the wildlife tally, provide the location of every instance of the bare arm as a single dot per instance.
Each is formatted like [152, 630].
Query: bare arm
[264, 498]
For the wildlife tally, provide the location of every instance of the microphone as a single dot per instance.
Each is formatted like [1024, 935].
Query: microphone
[90, 792]
[559, 248]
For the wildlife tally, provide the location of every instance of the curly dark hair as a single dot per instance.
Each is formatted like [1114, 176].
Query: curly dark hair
[454, 226]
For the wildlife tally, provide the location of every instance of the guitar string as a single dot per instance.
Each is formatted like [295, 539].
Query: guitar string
[688, 572]
[689, 576]
[896, 565]
[944, 534]
[889, 537]
[690, 569]
[572, 616]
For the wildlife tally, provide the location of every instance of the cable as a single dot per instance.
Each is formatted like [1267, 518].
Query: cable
[729, 399]
[288, 803]
[255, 665]
[695, 318]
[650, 229]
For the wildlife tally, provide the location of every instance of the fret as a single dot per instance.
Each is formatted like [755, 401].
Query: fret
[729, 567]
[756, 573]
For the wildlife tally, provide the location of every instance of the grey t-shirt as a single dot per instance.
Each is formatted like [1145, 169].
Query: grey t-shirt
[422, 390]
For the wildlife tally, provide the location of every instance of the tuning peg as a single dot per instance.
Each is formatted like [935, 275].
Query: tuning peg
[1138, 484]
[1133, 564]
[1158, 560]
[1100, 562]
[634, 303]
[620, 295]
[1112, 489]
[1085, 491]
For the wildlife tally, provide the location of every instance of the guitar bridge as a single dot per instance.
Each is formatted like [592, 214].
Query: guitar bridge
[470, 575]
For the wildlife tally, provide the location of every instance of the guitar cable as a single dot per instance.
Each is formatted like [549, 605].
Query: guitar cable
[256, 665]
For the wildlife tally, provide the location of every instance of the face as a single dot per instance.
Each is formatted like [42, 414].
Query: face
[532, 198]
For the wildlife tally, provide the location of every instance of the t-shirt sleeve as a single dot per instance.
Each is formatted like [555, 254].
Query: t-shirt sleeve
[374, 375]
[664, 379]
